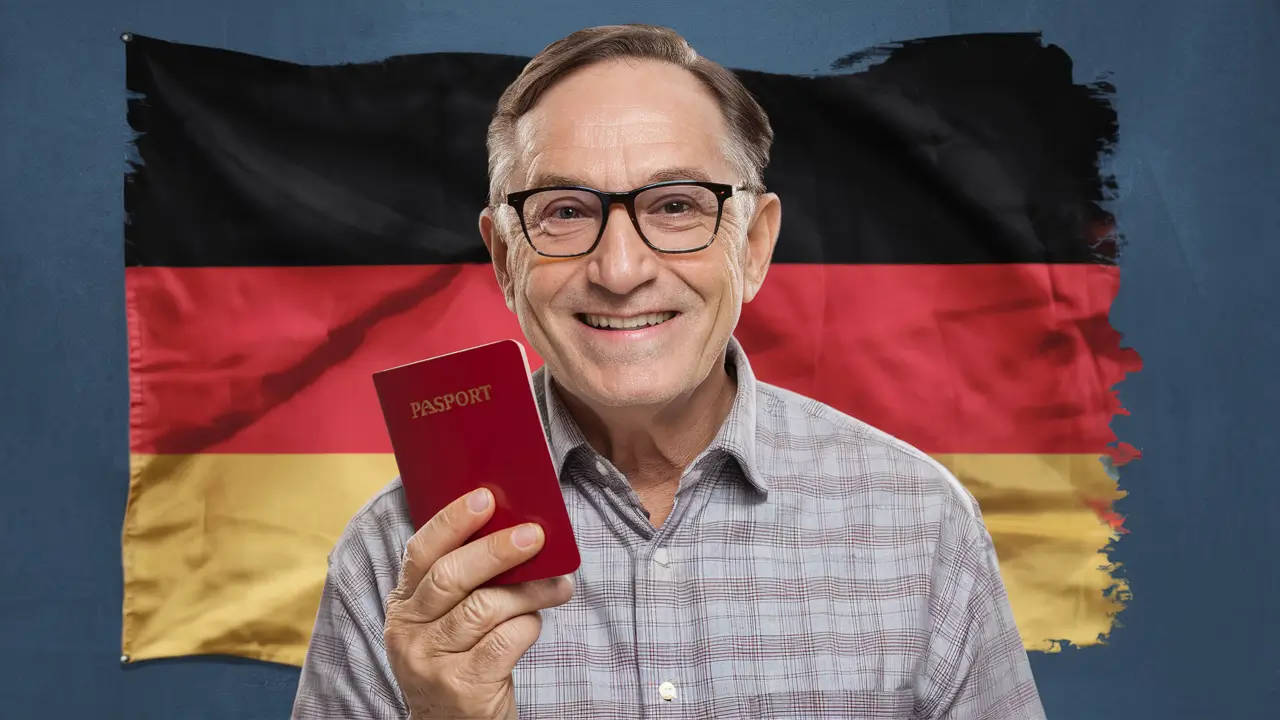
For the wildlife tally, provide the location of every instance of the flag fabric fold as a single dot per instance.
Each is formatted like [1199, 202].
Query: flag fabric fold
[945, 272]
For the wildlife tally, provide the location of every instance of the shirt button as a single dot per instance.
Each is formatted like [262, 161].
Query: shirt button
[662, 557]
[600, 468]
[667, 691]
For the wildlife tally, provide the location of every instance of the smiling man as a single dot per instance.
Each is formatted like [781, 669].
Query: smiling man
[746, 552]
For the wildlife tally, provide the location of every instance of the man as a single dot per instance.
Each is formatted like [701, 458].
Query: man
[746, 552]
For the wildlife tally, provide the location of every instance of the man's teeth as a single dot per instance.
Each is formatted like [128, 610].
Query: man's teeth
[617, 323]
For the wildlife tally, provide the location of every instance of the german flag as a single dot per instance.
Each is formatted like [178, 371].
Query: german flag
[945, 272]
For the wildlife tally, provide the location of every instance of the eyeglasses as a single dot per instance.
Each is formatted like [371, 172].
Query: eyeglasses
[677, 216]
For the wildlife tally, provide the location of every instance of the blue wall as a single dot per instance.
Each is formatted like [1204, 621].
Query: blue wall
[1200, 174]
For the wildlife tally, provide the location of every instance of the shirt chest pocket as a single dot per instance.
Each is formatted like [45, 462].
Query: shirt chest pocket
[830, 704]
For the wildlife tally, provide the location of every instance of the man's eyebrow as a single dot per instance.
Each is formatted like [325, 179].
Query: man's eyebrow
[680, 173]
[553, 179]
[666, 174]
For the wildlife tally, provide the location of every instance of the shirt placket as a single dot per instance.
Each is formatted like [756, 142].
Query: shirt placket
[664, 676]
[622, 513]
[659, 627]
[668, 679]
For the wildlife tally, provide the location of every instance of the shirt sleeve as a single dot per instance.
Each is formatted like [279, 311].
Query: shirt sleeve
[977, 667]
[346, 673]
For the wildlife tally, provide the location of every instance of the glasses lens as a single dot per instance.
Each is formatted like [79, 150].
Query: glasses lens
[562, 222]
[671, 217]
[678, 217]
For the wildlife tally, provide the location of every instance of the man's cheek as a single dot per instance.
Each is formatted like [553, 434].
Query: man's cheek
[522, 288]
[731, 280]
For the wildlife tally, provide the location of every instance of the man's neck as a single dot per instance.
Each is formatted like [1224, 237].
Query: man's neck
[653, 446]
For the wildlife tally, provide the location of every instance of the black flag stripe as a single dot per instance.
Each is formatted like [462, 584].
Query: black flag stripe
[964, 149]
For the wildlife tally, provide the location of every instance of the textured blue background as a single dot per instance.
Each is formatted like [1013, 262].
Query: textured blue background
[1199, 169]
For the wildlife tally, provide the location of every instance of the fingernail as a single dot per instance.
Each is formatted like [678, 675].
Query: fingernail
[524, 536]
[478, 501]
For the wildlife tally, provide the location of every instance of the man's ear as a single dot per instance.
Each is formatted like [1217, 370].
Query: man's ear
[762, 236]
[497, 248]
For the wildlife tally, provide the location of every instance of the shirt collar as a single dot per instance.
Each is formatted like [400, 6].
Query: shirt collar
[563, 434]
[736, 437]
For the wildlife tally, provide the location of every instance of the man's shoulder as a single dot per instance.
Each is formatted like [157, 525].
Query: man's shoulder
[374, 539]
[846, 456]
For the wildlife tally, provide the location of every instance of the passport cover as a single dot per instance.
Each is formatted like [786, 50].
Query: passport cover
[469, 419]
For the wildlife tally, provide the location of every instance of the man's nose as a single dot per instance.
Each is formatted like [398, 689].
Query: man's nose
[622, 261]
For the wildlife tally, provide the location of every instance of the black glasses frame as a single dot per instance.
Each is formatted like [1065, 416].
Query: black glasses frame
[628, 200]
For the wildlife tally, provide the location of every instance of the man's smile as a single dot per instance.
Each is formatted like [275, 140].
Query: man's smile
[627, 322]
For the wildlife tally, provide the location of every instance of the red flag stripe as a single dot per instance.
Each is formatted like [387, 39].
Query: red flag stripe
[953, 358]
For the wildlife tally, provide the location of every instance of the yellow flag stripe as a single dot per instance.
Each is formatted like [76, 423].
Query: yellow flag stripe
[226, 554]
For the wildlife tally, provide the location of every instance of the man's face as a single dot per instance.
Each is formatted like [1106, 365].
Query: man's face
[616, 127]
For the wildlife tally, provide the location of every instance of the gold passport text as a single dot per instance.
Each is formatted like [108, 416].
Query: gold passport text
[445, 403]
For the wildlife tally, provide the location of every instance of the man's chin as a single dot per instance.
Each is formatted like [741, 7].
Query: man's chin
[622, 393]
[624, 386]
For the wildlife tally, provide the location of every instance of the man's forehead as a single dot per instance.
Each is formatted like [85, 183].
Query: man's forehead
[604, 125]
[648, 118]
[640, 153]
[650, 133]
[603, 99]
[603, 92]
[617, 130]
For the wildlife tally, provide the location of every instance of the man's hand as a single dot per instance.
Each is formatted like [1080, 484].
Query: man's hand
[453, 647]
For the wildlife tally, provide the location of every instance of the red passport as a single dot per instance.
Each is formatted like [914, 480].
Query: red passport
[467, 420]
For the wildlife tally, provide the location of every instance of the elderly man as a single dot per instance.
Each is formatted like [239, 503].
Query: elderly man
[746, 552]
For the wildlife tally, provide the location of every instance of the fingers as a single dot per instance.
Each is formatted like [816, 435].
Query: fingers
[442, 534]
[496, 655]
[486, 609]
[454, 576]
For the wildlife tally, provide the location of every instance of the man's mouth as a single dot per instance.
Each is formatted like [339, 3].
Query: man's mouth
[635, 322]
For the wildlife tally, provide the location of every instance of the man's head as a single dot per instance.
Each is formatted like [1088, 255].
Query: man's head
[614, 109]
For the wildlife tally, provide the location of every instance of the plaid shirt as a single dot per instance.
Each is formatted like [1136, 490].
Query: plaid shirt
[813, 567]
